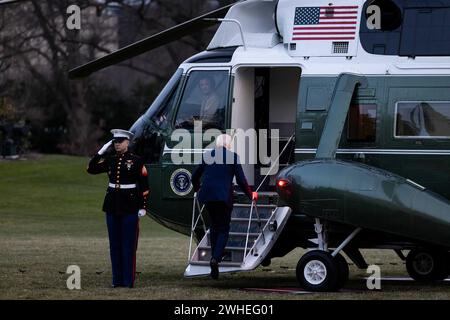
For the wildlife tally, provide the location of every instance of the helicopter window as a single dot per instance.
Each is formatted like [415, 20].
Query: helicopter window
[422, 119]
[383, 38]
[204, 99]
[362, 123]
[406, 28]
[161, 115]
[390, 14]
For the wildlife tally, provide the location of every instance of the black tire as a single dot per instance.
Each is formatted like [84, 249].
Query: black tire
[344, 271]
[326, 270]
[427, 265]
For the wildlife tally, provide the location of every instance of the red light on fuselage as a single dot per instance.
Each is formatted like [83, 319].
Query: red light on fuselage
[282, 183]
[284, 187]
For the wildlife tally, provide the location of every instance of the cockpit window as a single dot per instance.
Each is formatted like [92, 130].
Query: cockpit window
[422, 120]
[205, 98]
[148, 141]
[160, 117]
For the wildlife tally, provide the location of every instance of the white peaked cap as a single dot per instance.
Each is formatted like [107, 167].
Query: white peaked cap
[120, 133]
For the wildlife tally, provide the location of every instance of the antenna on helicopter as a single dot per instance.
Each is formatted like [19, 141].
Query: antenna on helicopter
[233, 21]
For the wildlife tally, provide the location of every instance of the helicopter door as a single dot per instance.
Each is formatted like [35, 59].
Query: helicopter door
[265, 100]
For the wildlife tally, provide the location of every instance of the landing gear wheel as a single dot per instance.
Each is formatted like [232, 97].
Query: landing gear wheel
[427, 265]
[317, 271]
[343, 271]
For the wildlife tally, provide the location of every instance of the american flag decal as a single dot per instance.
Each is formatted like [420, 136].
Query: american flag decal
[325, 23]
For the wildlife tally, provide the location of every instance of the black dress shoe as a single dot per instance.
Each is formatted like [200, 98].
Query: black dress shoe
[214, 269]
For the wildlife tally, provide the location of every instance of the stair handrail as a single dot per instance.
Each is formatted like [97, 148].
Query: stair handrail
[262, 232]
[276, 161]
[248, 230]
[259, 223]
[254, 202]
[195, 204]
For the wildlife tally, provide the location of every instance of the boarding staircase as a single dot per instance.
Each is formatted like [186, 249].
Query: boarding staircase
[254, 229]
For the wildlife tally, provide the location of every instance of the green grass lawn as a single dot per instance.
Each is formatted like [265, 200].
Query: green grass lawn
[50, 218]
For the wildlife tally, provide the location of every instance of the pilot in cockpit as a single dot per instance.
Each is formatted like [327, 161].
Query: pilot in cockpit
[209, 99]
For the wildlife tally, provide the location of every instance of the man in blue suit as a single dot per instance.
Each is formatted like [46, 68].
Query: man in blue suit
[217, 170]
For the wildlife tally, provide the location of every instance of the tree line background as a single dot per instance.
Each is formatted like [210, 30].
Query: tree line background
[42, 110]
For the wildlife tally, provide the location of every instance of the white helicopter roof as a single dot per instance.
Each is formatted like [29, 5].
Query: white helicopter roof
[320, 37]
[257, 21]
[307, 27]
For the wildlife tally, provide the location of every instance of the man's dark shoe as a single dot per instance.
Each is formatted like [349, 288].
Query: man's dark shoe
[214, 269]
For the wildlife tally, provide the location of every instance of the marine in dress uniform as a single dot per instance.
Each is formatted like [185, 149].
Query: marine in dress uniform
[124, 203]
[216, 191]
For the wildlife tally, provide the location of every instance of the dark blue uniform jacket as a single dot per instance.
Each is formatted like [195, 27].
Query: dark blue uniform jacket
[124, 168]
[217, 177]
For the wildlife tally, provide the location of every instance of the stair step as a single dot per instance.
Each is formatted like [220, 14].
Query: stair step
[265, 197]
[248, 205]
[240, 243]
[261, 194]
[221, 264]
[238, 239]
[238, 234]
[241, 226]
[246, 220]
[231, 254]
[226, 248]
[244, 234]
[243, 211]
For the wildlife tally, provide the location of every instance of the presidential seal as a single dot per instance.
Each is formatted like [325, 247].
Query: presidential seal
[180, 182]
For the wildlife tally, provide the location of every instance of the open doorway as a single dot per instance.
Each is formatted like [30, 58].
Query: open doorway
[265, 99]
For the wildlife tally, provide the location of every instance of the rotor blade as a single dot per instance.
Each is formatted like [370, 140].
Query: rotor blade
[2, 2]
[149, 43]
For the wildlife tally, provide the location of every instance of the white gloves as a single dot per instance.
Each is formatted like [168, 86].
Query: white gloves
[142, 212]
[105, 147]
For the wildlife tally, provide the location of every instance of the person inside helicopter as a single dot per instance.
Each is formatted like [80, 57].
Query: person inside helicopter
[203, 100]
